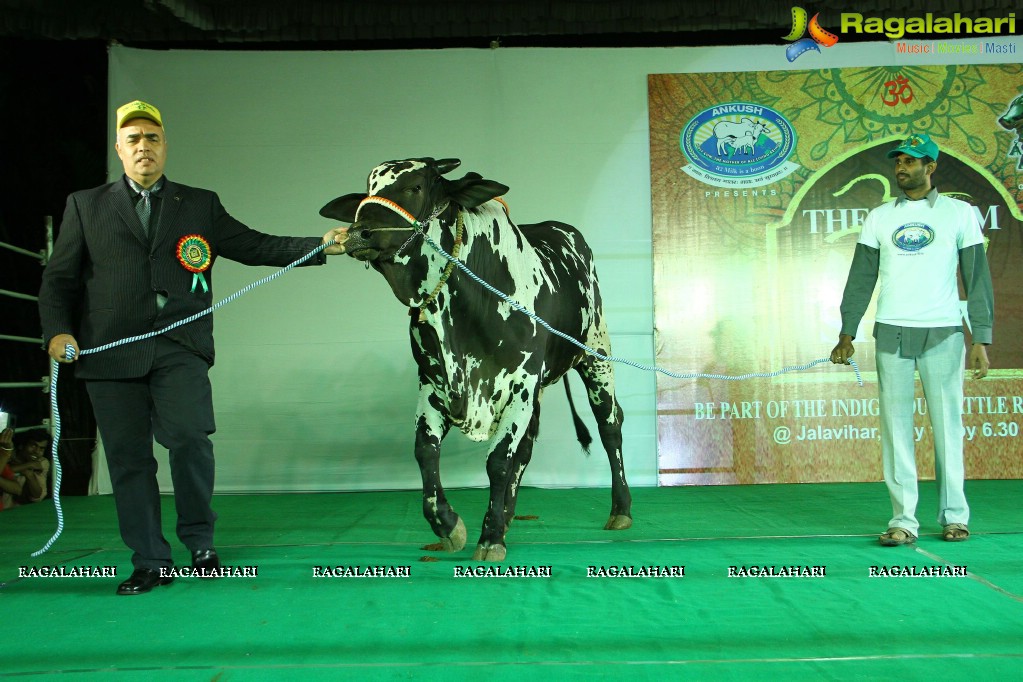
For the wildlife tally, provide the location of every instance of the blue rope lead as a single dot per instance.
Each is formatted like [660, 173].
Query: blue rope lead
[610, 358]
[57, 470]
[69, 353]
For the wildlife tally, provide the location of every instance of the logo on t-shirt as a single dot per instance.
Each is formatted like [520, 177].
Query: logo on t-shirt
[912, 237]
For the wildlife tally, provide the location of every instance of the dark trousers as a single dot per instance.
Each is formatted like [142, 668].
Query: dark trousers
[174, 404]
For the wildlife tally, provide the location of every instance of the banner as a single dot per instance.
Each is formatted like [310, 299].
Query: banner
[760, 182]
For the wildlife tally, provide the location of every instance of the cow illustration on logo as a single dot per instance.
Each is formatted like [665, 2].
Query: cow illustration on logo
[738, 144]
[912, 237]
[1012, 120]
[742, 136]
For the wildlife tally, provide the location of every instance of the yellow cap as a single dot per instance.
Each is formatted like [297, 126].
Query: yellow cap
[138, 109]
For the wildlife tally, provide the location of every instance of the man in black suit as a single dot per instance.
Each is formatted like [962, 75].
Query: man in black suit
[134, 256]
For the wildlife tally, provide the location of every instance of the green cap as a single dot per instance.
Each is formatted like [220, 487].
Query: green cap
[918, 146]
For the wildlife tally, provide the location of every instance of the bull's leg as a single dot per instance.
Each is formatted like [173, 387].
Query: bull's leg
[598, 376]
[500, 470]
[520, 460]
[431, 428]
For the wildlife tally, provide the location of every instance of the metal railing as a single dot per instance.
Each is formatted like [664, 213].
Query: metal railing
[43, 384]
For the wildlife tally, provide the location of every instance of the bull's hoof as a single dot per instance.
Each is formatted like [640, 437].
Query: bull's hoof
[619, 522]
[456, 541]
[491, 553]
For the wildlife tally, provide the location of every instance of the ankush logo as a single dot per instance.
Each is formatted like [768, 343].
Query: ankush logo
[738, 144]
[818, 36]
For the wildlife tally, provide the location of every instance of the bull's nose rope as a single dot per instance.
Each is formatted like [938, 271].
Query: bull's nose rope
[610, 358]
[414, 225]
[69, 354]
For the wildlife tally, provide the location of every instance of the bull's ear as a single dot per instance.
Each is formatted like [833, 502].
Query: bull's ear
[473, 190]
[447, 165]
[343, 208]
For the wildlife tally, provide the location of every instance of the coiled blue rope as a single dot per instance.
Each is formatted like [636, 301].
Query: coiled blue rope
[69, 353]
[610, 358]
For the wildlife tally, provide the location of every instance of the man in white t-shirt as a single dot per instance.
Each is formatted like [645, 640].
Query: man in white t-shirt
[914, 245]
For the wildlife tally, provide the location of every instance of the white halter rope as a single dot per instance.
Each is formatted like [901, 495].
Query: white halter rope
[453, 261]
[610, 358]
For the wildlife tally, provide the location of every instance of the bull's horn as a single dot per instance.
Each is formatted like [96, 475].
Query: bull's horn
[447, 165]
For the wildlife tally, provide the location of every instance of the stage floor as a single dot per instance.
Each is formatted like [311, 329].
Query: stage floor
[278, 619]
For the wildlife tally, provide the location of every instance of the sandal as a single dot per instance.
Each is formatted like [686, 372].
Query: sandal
[955, 532]
[896, 536]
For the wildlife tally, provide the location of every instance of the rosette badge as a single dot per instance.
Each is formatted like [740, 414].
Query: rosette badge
[194, 255]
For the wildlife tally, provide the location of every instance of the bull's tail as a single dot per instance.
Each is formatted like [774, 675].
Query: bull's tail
[581, 432]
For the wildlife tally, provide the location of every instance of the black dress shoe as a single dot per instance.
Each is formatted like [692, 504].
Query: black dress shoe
[143, 580]
[205, 561]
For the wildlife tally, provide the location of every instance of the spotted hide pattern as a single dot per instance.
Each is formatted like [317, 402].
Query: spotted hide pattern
[483, 365]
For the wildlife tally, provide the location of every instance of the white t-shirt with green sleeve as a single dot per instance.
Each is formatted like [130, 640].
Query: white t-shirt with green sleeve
[919, 256]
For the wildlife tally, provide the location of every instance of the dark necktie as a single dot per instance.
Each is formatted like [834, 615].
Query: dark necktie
[144, 208]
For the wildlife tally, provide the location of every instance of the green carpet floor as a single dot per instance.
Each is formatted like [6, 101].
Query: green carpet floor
[286, 624]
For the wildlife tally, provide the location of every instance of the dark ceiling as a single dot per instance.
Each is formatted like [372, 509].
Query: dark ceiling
[405, 24]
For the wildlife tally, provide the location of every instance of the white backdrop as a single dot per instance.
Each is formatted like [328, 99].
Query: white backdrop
[314, 385]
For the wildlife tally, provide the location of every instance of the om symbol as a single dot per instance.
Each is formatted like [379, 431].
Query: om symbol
[899, 90]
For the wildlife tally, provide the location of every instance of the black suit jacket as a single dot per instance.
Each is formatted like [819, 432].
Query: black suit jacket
[101, 282]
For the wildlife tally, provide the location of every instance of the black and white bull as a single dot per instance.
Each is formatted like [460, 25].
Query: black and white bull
[482, 365]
